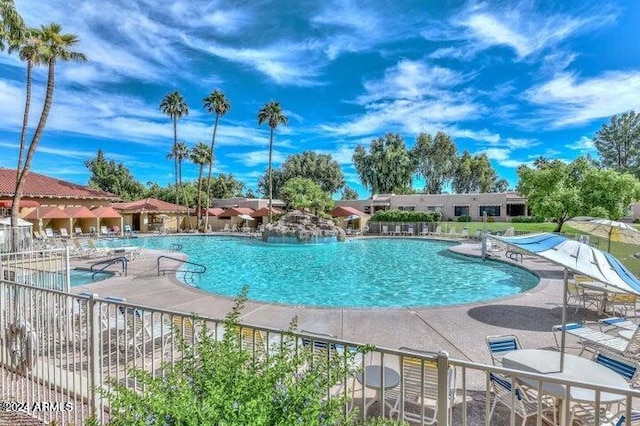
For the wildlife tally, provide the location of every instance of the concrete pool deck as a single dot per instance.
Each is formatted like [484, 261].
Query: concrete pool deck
[459, 329]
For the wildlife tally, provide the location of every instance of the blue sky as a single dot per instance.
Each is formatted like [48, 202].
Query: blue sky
[513, 79]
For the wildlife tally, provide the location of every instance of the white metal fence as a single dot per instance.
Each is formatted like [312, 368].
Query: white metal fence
[58, 348]
[42, 268]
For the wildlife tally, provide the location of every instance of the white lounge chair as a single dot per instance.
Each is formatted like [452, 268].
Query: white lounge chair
[78, 232]
[104, 232]
[143, 333]
[385, 230]
[595, 340]
[64, 233]
[49, 233]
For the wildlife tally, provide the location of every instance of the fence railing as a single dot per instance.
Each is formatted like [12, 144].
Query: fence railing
[41, 268]
[62, 348]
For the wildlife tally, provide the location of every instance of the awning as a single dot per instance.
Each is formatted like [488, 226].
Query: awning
[80, 212]
[6, 204]
[579, 257]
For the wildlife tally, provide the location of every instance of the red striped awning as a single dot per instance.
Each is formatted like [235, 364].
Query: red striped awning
[6, 204]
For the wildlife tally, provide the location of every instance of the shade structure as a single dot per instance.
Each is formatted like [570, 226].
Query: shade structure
[580, 258]
[21, 222]
[610, 229]
[245, 217]
[236, 211]
[23, 203]
[346, 211]
[264, 212]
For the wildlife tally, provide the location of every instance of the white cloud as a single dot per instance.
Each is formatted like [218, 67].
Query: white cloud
[254, 158]
[583, 145]
[568, 100]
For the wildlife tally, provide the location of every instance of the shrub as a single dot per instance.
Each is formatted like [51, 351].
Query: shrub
[491, 219]
[464, 218]
[406, 216]
[219, 382]
[527, 219]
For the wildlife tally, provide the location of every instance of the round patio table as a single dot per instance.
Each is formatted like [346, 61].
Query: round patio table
[575, 368]
[373, 379]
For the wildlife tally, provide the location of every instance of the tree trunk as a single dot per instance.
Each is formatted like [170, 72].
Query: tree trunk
[20, 177]
[184, 193]
[213, 141]
[270, 181]
[25, 118]
[175, 170]
[198, 213]
[561, 221]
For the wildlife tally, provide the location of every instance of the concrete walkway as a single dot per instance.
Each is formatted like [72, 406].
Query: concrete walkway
[460, 330]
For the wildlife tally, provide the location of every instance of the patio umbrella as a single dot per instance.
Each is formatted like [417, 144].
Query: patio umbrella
[614, 231]
[245, 217]
[580, 258]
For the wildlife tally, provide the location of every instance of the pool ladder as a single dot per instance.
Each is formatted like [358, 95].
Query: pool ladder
[189, 275]
[106, 263]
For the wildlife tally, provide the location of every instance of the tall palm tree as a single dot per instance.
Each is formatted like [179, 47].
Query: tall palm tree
[11, 23]
[200, 155]
[179, 152]
[175, 107]
[31, 50]
[272, 114]
[56, 46]
[216, 103]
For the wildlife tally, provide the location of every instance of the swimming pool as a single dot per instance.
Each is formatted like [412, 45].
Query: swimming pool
[357, 273]
[85, 276]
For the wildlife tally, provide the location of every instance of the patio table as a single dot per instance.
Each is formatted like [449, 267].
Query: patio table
[575, 368]
[600, 287]
[371, 379]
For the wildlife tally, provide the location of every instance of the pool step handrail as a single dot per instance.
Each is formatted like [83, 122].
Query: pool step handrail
[202, 269]
[106, 263]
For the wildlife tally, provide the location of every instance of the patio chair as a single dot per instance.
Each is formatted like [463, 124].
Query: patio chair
[465, 233]
[104, 232]
[63, 233]
[437, 231]
[617, 322]
[419, 384]
[226, 228]
[397, 230]
[127, 229]
[385, 230]
[627, 368]
[49, 233]
[622, 303]
[583, 299]
[78, 232]
[525, 401]
[185, 327]
[500, 345]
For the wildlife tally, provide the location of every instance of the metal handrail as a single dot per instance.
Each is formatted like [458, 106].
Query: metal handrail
[202, 270]
[109, 262]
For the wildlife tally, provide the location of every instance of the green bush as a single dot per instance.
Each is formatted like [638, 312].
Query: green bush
[464, 218]
[220, 383]
[406, 216]
[491, 219]
[527, 219]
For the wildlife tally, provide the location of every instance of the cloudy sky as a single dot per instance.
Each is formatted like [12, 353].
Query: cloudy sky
[513, 79]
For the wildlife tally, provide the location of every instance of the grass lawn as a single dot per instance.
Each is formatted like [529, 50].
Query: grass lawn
[623, 252]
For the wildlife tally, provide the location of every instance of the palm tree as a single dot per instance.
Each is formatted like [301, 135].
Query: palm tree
[200, 155]
[30, 50]
[55, 46]
[216, 103]
[272, 114]
[175, 107]
[11, 23]
[179, 152]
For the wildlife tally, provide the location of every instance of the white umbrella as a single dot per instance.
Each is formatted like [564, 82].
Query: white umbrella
[245, 217]
[579, 257]
[352, 217]
[21, 222]
[610, 229]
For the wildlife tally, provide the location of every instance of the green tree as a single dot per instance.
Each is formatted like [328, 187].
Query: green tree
[225, 186]
[107, 175]
[300, 193]
[174, 106]
[618, 143]
[31, 50]
[349, 194]
[12, 27]
[320, 168]
[436, 160]
[250, 194]
[201, 155]
[272, 114]
[561, 191]
[56, 46]
[179, 152]
[215, 103]
[387, 167]
[474, 174]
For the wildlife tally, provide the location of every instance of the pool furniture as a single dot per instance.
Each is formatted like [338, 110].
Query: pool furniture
[104, 231]
[601, 293]
[143, 333]
[64, 233]
[500, 345]
[419, 388]
[49, 233]
[385, 230]
[408, 231]
[78, 232]
[226, 228]
[525, 402]
[377, 377]
[465, 233]
[622, 303]
[593, 340]
[618, 322]
[627, 368]
[185, 328]
[575, 368]
[582, 299]
[397, 230]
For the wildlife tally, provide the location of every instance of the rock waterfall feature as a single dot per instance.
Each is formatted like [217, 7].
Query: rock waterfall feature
[298, 227]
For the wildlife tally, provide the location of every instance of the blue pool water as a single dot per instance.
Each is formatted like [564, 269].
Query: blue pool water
[356, 273]
[83, 276]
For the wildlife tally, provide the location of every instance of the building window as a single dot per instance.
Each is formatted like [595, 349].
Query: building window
[407, 208]
[490, 210]
[434, 208]
[460, 211]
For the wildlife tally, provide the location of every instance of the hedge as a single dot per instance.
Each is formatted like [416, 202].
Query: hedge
[527, 219]
[406, 216]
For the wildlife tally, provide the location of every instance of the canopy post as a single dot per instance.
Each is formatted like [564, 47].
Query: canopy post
[484, 246]
[564, 317]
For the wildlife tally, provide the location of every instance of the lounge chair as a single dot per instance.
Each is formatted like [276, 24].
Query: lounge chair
[234, 227]
[500, 345]
[465, 233]
[49, 233]
[115, 231]
[595, 340]
[78, 232]
[64, 233]
[397, 230]
[420, 388]
[226, 228]
[409, 231]
[385, 230]
[617, 322]
[437, 231]
[127, 229]
[104, 232]
[143, 333]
